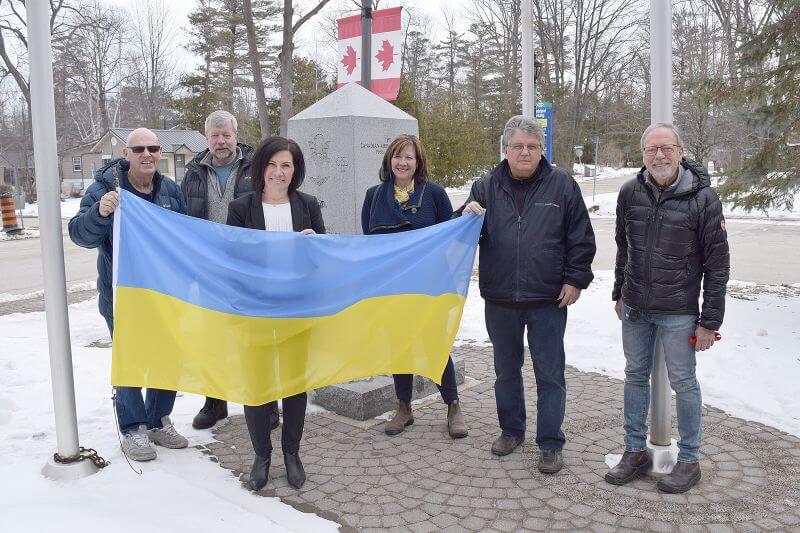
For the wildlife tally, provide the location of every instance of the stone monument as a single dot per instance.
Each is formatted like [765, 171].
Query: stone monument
[344, 137]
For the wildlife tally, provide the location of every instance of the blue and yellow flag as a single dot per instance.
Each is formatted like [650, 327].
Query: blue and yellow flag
[252, 316]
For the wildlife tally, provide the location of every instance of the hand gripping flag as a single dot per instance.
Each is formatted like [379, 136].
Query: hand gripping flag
[252, 316]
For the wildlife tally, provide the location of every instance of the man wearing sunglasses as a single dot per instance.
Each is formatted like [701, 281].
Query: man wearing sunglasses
[143, 423]
[670, 237]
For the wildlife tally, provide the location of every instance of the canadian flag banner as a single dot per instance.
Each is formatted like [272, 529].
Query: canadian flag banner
[386, 51]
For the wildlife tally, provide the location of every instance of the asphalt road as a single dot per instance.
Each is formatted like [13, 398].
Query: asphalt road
[762, 253]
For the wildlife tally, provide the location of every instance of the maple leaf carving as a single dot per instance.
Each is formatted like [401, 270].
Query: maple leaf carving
[385, 55]
[349, 60]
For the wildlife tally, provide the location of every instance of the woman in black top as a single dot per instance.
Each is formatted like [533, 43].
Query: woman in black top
[278, 169]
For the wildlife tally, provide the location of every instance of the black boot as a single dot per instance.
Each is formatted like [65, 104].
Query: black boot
[295, 473]
[259, 472]
[631, 466]
[213, 411]
[682, 478]
[274, 417]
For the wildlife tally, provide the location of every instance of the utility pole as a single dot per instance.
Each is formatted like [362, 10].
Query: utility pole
[528, 78]
[366, 44]
[661, 111]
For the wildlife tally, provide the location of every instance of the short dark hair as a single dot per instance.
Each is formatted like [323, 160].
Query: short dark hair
[266, 150]
[400, 142]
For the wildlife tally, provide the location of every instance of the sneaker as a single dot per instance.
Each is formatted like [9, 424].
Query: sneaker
[550, 461]
[136, 445]
[167, 436]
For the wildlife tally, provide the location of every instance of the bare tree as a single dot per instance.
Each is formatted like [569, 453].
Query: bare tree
[255, 64]
[287, 53]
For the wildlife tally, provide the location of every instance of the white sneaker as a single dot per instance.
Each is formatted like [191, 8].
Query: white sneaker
[136, 445]
[167, 436]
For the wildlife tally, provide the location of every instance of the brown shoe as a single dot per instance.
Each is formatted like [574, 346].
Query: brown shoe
[683, 477]
[455, 421]
[402, 418]
[631, 466]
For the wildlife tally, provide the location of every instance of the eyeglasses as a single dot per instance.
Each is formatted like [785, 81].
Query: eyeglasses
[153, 149]
[518, 148]
[667, 149]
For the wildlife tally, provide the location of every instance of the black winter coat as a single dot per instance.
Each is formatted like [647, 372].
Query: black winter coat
[526, 257]
[667, 244]
[247, 212]
[195, 182]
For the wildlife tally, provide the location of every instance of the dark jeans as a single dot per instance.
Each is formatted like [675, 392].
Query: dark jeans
[294, 417]
[133, 410]
[403, 384]
[506, 326]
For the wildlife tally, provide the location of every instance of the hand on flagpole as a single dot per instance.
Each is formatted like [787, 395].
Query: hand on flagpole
[108, 203]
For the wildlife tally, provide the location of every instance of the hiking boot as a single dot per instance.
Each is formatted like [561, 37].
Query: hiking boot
[505, 444]
[402, 418]
[213, 411]
[274, 416]
[682, 478]
[167, 436]
[631, 466]
[295, 473]
[455, 421]
[550, 461]
[136, 445]
[259, 472]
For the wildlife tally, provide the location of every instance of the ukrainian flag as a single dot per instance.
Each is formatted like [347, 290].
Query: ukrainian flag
[251, 316]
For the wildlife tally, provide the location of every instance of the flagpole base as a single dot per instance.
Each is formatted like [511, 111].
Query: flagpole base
[664, 457]
[68, 472]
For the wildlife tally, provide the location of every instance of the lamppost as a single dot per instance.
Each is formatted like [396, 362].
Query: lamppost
[579, 153]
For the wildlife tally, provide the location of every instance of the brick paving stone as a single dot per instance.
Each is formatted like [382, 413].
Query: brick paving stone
[423, 481]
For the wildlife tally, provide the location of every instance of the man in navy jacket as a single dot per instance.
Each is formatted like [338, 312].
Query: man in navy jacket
[536, 251]
[142, 422]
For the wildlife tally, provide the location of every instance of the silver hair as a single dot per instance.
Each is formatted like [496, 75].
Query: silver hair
[221, 118]
[670, 126]
[524, 124]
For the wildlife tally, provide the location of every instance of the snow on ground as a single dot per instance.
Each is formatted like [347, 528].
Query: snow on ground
[603, 174]
[605, 205]
[751, 373]
[69, 207]
[180, 491]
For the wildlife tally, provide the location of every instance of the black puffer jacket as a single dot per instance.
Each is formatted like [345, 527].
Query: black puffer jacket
[667, 242]
[194, 184]
[526, 257]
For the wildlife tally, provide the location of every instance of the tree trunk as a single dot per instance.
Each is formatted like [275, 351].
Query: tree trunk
[287, 51]
[255, 64]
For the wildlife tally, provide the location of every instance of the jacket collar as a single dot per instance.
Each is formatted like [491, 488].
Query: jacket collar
[502, 171]
[386, 213]
[295, 205]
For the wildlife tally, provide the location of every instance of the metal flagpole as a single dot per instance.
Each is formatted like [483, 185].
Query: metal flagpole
[43, 119]
[528, 81]
[661, 111]
[366, 44]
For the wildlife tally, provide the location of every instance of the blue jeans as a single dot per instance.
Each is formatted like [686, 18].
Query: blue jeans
[133, 410]
[506, 326]
[403, 384]
[639, 343]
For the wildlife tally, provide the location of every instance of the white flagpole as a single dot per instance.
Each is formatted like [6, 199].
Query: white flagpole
[43, 120]
[528, 81]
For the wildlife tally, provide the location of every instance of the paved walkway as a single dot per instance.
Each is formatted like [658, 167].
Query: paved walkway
[423, 481]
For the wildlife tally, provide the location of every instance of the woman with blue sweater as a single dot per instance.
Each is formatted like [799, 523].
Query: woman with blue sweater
[406, 200]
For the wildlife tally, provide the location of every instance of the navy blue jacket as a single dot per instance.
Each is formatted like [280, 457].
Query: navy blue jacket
[381, 213]
[89, 230]
[525, 257]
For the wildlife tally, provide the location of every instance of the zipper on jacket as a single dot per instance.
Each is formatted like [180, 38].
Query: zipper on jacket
[519, 232]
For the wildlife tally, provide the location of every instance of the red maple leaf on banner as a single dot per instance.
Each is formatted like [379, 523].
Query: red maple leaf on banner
[349, 60]
[385, 55]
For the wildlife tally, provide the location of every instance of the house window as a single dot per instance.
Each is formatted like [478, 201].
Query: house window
[76, 164]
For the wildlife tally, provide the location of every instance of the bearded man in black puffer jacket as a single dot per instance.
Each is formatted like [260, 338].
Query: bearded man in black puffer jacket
[670, 237]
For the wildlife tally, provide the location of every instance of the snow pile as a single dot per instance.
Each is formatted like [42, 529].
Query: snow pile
[752, 372]
[69, 207]
[180, 491]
